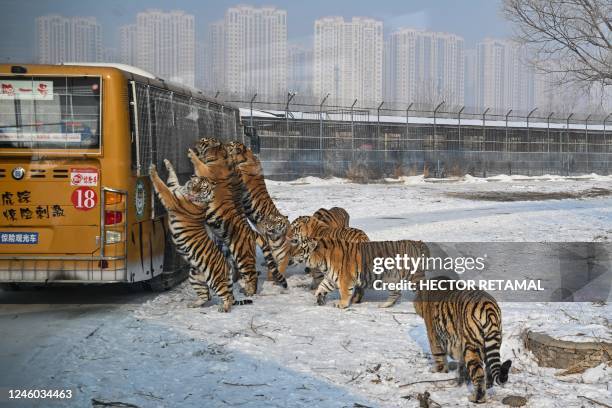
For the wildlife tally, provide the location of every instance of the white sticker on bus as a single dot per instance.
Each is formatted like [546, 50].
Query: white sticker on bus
[40, 137]
[26, 90]
[84, 177]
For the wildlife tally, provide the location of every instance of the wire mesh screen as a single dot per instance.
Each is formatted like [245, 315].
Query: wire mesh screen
[169, 123]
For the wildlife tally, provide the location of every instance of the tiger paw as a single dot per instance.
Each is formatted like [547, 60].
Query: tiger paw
[198, 303]
[283, 284]
[152, 169]
[339, 305]
[439, 369]
[478, 397]
[462, 376]
[191, 154]
[225, 307]
[168, 165]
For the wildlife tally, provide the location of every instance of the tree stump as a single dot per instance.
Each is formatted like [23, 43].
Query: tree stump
[569, 355]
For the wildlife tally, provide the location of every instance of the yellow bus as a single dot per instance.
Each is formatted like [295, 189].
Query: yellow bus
[76, 142]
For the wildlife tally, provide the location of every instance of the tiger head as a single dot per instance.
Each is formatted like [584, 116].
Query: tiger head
[199, 190]
[301, 249]
[298, 227]
[210, 149]
[275, 226]
[237, 151]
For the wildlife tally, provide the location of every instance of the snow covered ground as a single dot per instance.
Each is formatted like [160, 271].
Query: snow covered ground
[284, 351]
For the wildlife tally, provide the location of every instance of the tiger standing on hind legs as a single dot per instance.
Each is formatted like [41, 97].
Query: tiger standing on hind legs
[467, 326]
[186, 208]
[226, 218]
[258, 205]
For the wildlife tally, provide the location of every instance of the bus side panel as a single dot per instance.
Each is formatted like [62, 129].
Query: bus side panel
[146, 238]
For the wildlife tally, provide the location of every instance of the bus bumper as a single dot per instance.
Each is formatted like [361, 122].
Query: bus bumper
[62, 269]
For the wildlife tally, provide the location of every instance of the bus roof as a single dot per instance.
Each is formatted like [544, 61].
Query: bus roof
[123, 67]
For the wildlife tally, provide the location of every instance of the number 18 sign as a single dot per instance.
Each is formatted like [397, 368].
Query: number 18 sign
[84, 198]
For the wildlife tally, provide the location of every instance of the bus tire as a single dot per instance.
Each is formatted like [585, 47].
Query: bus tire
[156, 284]
[136, 287]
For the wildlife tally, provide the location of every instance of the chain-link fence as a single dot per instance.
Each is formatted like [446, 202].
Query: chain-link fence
[368, 143]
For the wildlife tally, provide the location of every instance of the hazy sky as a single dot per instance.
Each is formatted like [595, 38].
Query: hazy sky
[472, 19]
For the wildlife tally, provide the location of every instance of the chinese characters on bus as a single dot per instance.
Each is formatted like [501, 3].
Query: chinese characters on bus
[16, 211]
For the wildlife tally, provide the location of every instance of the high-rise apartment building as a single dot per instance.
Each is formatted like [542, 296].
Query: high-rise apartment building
[299, 78]
[503, 80]
[68, 39]
[127, 44]
[469, 80]
[164, 44]
[255, 43]
[426, 67]
[348, 59]
[214, 63]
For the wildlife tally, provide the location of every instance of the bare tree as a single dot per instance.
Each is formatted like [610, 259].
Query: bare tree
[569, 39]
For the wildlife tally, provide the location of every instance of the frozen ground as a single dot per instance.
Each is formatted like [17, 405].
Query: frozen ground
[283, 351]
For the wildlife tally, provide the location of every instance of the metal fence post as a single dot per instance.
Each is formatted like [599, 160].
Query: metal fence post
[353, 130]
[567, 124]
[321, 130]
[435, 112]
[528, 136]
[506, 142]
[290, 96]
[606, 141]
[459, 144]
[251, 105]
[408, 118]
[548, 131]
[378, 128]
[484, 129]
[586, 139]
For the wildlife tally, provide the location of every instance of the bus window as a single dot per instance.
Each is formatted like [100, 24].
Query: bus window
[50, 112]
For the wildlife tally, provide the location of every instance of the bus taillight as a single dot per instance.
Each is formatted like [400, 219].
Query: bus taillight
[111, 197]
[112, 217]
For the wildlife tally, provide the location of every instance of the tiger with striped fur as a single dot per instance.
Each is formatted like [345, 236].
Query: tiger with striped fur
[257, 203]
[467, 326]
[349, 265]
[334, 217]
[186, 208]
[225, 217]
[311, 227]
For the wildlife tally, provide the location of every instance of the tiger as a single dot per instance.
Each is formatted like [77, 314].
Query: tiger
[275, 229]
[335, 216]
[349, 265]
[257, 203]
[312, 227]
[186, 208]
[467, 326]
[226, 219]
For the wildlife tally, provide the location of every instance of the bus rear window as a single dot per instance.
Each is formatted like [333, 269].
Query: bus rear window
[50, 112]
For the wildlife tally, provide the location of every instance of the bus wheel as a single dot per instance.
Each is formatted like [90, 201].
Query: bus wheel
[157, 284]
[136, 287]
[10, 287]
